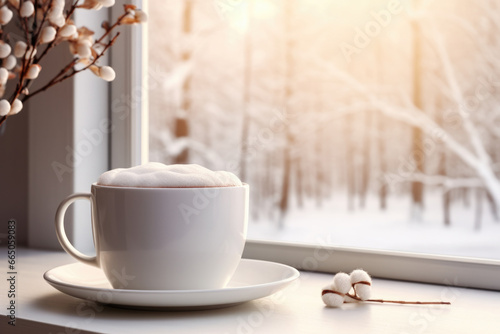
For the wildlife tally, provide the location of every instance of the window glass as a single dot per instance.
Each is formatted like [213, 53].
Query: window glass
[371, 124]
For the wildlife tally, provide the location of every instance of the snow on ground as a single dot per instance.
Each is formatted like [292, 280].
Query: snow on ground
[389, 230]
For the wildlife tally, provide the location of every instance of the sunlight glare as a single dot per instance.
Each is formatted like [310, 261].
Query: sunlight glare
[263, 9]
[239, 17]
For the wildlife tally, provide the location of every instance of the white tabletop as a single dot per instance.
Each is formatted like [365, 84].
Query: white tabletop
[299, 309]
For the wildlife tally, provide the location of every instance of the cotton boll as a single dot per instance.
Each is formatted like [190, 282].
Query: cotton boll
[68, 30]
[130, 14]
[4, 75]
[107, 73]
[141, 16]
[331, 299]
[5, 15]
[107, 3]
[343, 282]
[20, 49]
[359, 275]
[10, 62]
[56, 15]
[57, 3]
[5, 49]
[48, 34]
[30, 53]
[4, 107]
[54, 12]
[33, 71]
[16, 107]
[27, 9]
[59, 21]
[362, 290]
[83, 49]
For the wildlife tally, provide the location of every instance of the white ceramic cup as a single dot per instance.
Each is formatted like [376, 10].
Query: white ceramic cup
[163, 238]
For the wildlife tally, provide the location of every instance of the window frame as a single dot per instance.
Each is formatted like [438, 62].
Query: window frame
[406, 266]
[129, 93]
[129, 146]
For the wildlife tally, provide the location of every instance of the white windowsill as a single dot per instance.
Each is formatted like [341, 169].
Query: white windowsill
[300, 310]
[421, 268]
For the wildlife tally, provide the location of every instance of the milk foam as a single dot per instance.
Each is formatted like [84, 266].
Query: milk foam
[158, 175]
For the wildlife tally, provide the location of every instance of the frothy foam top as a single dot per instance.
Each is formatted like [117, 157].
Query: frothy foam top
[158, 175]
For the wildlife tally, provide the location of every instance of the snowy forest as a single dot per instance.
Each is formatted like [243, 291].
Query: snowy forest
[382, 115]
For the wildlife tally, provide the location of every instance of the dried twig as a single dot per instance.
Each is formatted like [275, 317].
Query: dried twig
[49, 17]
[353, 296]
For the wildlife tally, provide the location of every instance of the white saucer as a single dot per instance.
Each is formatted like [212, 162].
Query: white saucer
[253, 279]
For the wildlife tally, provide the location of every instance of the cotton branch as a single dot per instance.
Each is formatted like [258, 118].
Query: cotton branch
[357, 287]
[61, 76]
[55, 42]
[47, 23]
[396, 301]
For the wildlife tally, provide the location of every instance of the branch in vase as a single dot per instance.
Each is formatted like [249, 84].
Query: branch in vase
[50, 26]
[60, 77]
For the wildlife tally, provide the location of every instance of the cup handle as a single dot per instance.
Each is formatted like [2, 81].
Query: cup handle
[61, 233]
